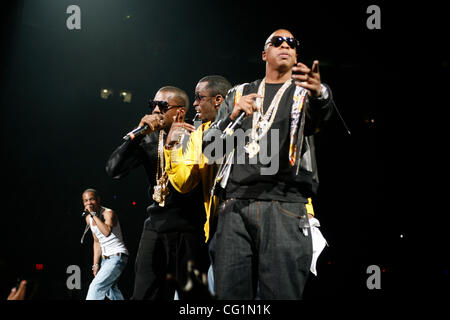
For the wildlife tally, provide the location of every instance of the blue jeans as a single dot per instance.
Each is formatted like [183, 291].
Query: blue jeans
[105, 282]
[261, 250]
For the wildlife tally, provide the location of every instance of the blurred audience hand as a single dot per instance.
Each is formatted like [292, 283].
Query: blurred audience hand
[18, 294]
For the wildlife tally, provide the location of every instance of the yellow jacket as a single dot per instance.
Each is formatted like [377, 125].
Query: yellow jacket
[186, 170]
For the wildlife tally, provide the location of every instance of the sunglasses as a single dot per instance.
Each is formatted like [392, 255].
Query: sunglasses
[277, 41]
[163, 106]
[200, 97]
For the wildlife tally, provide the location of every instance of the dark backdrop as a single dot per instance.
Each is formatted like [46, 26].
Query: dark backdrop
[57, 132]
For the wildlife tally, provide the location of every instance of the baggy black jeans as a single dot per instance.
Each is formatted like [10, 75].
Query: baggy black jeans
[161, 253]
[261, 250]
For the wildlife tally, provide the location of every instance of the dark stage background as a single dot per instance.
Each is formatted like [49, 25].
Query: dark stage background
[57, 132]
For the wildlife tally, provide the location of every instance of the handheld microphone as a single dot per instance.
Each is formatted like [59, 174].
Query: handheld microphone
[195, 117]
[136, 132]
[86, 213]
[197, 122]
[229, 130]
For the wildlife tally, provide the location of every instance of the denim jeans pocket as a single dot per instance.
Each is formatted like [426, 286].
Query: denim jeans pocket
[295, 210]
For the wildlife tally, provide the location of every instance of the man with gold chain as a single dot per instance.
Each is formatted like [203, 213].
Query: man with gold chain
[263, 237]
[172, 234]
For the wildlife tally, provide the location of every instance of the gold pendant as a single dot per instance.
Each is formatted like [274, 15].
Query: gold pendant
[157, 193]
[161, 191]
[252, 148]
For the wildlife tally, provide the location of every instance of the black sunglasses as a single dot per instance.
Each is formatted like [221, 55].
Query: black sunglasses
[163, 106]
[278, 40]
[200, 97]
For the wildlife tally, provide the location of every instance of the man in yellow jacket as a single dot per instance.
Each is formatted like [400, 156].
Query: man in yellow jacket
[189, 167]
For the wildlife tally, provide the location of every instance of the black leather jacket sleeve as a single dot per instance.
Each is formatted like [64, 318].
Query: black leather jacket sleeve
[124, 159]
[132, 154]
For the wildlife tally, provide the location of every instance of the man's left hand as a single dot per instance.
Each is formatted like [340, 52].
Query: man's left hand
[178, 125]
[308, 78]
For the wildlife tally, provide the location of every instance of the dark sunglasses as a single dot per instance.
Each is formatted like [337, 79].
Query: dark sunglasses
[277, 41]
[163, 106]
[199, 97]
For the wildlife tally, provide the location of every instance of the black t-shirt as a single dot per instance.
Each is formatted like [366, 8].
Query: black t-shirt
[247, 180]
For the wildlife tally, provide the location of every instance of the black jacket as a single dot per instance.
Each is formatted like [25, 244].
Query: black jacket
[317, 112]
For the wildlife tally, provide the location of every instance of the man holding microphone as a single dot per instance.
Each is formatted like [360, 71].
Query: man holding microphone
[108, 245]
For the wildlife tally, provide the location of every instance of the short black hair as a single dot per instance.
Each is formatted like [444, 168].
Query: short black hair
[216, 85]
[179, 94]
[95, 192]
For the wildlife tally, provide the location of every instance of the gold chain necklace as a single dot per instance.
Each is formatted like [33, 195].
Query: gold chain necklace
[161, 190]
[262, 122]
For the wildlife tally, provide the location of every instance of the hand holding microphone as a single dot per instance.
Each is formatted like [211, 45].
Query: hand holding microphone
[243, 108]
[148, 124]
[246, 105]
[89, 210]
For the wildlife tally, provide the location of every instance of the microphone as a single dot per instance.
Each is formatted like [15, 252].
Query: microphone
[195, 117]
[229, 130]
[86, 213]
[136, 132]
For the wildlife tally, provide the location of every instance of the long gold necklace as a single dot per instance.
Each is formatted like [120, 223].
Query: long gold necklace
[263, 121]
[161, 190]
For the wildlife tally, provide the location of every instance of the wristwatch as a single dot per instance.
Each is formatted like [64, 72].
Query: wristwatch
[323, 93]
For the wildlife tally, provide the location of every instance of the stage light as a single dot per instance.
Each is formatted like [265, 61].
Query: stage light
[105, 93]
[370, 121]
[125, 96]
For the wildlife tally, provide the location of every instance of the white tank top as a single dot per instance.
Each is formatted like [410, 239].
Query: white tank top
[113, 243]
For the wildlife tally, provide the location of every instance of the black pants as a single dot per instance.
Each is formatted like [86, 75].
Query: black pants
[162, 253]
[261, 250]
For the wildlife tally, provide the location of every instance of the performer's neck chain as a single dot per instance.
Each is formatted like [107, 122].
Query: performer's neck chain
[161, 189]
[263, 121]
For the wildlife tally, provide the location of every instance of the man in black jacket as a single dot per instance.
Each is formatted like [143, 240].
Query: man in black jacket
[263, 239]
[173, 233]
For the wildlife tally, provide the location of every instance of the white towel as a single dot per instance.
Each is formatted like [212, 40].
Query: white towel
[318, 243]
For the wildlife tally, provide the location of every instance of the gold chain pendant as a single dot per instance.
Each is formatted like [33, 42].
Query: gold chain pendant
[252, 148]
[161, 190]
[157, 193]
